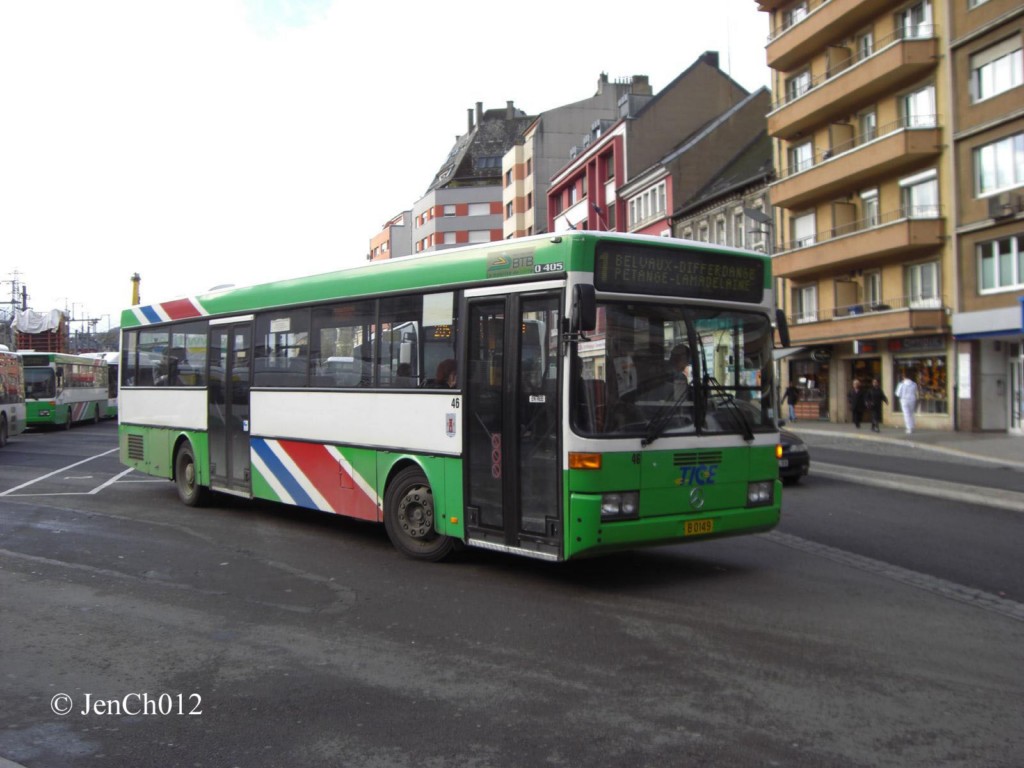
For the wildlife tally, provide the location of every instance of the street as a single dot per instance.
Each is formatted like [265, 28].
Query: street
[874, 627]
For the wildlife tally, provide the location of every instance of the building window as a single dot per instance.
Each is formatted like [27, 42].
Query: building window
[609, 167]
[479, 209]
[449, 210]
[529, 201]
[508, 210]
[720, 230]
[1001, 264]
[798, 85]
[794, 15]
[921, 282]
[915, 21]
[868, 122]
[919, 108]
[508, 178]
[805, 304]
[920, 195]
[997, 69]
[975, 3]
[801, 157]
[479, 236]
[449, 238]
[930, 373]
[738, 225]
[702, 232]
[999, 165]
[803, 230]
[865, 45]
[869, 208]
[529, 166]
[573, 194]
[873, 288]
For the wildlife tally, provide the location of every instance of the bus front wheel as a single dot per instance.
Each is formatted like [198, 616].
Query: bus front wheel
[409, 517]
[186, 478]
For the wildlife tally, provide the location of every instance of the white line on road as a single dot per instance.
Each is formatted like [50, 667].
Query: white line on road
[9, 491]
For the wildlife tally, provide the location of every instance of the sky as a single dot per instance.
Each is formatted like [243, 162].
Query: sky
[200, 143]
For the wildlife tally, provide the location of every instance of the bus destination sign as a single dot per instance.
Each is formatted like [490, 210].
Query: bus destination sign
[691, 274]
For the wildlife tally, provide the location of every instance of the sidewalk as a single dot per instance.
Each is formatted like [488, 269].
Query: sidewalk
[992, 447]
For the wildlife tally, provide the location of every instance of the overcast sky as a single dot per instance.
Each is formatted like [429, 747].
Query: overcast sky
[204, 142]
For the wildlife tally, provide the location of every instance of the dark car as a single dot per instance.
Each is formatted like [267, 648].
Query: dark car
[796, 459]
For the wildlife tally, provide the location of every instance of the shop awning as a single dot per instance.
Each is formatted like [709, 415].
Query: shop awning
[781, 353]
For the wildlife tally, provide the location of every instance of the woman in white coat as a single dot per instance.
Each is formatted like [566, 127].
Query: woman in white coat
[907, 393]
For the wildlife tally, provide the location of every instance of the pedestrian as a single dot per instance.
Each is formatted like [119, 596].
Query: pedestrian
[906, 392]
[873, 400]
[855, 399]
[791, 398]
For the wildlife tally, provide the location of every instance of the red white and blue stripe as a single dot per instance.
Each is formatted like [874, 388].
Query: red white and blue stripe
[179, 309]
[314, 476]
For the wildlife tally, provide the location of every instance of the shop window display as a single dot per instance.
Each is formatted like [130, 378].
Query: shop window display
[931, 375]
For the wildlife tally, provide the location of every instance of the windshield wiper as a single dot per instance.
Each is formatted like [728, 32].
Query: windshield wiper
[728, 399]
[661, 418]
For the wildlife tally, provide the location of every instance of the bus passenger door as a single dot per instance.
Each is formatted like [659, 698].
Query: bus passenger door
[228, 421]
[512, 419]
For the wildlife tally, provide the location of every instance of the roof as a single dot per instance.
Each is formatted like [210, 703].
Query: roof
[752, 165]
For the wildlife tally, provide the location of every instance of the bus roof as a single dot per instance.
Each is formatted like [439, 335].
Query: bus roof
[539, 257]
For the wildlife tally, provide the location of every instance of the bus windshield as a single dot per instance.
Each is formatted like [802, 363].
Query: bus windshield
[652, 370]
[40, 383]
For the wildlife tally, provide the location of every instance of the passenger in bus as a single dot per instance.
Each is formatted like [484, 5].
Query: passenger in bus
[682, 371]
[446, 376]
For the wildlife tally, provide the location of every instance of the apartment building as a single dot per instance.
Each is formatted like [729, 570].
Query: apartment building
[463, 203]
[604, 187]
[895, 125]
[987, 59]
[863, 197]
[394, 239]
[549, 142]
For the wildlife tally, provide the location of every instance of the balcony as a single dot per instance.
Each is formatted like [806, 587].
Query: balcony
[853, 82]
[897, 147]
[831, 20]
[892, 317]
[863, 243]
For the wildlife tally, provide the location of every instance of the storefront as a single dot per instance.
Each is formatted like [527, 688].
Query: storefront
[809, 370]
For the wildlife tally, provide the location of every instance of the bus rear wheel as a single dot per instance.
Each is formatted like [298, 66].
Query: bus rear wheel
[186, 478]
[409, 517]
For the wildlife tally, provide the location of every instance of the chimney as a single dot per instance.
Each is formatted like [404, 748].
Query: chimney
[711, 58]
[479, 112]
[469, 119]
[510, 111]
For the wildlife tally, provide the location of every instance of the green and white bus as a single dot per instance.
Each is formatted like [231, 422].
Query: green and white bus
[12, 395]
[515, 396]
[113, 361]
[62, 389]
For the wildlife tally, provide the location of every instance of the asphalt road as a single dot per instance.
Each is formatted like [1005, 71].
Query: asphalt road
[873, 628]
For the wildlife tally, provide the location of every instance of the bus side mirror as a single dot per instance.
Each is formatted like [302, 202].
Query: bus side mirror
[584, 309]
[783, 326]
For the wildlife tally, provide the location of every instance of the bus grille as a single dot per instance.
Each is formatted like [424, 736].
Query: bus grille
[136, 448]
[697, 458]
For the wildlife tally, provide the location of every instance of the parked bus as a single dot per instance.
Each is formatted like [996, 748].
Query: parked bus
[12, 395]
[62, 389]
[566, 434]
[113, 361]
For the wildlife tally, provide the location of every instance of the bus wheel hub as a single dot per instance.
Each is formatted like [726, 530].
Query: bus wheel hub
[416, 513]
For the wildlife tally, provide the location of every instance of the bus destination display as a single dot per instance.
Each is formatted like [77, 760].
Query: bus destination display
[692, 274]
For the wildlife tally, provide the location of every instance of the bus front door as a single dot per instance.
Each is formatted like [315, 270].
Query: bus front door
[513, 490]
[228, 421]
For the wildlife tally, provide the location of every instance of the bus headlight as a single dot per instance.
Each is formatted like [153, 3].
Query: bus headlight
[620, 506]
[760, 494]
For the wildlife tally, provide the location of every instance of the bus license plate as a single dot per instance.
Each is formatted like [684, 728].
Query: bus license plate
[698, 527]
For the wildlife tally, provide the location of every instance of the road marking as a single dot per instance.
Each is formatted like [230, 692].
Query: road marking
[111, 481]
[941, 489]
[9, 491]
[948, 589]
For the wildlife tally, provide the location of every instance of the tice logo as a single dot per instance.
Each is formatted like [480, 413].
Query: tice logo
[700, 475]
